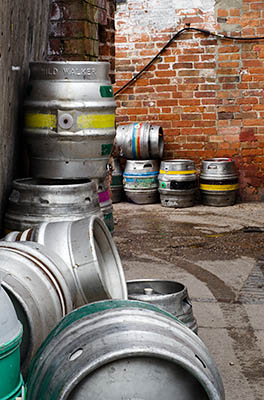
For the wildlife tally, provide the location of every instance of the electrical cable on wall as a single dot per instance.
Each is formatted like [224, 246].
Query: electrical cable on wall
[147, 66]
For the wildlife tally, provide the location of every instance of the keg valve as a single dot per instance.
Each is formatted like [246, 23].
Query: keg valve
[148, 291]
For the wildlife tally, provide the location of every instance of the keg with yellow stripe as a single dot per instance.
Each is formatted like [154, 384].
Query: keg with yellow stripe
[218, 182]
[177, 183]
[69, 114]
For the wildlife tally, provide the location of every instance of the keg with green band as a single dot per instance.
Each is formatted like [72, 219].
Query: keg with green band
[11, 381]
[141, 181]
[123, 350]
[69, 119]
[177, 183]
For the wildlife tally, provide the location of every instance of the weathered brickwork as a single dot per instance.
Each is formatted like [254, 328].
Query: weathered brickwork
[107, 37]
[82, 30]
[206, 92]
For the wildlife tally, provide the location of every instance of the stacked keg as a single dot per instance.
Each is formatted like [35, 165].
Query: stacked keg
[142, 146]
[69, 131]
[59, 253]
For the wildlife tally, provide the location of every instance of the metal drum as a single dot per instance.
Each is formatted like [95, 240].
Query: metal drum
[34, 200]
[123, 350]
[141, 181]
[11, 331]
[34, 279]
[88, 249]
[218, 182]
[177, 183]
[117, 182]
[171, 296]
[105, 202]
[139, 141]
[69, 119]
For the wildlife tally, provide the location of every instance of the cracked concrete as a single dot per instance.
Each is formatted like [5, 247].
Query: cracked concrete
[208, 250]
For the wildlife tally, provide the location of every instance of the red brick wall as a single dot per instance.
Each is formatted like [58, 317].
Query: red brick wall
[107, 37]
[82, 30]
[207, 93]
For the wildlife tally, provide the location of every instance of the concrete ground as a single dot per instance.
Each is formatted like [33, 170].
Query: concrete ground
[218, 253]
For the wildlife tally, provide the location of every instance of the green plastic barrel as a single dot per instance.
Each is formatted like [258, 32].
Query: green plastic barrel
[11, 331]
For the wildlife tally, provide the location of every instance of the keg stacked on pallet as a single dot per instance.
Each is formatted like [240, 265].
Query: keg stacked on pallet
[69, 131]
[141, 144]
[177, 183]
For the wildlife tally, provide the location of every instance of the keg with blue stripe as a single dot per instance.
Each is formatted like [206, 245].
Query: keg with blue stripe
[177, 183]
[141, 181]
[140, 141]
[219, 182]
[69, 119]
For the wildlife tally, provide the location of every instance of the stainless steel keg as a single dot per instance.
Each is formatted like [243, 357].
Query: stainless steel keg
[36, 281]
[177, 183]
[171, 296]
[105, 202]
[88, 249]
[69, 119]
[116, 182]
[218, 182]
[139, 141]
[141, 181]
[123, 350]
[34, 200]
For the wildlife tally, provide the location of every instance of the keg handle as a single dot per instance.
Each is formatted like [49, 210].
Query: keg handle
[212, 166]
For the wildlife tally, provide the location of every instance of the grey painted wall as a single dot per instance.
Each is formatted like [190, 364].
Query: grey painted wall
[23, 38]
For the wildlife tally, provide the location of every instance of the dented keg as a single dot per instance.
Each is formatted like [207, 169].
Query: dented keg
[177, 183]
[69, 119]
[88, 249]
[11, 330]
[123, 350]
[34, 200]
[139, 141]
[141, 181]
[171, 296]
[116, 182]
[105, 202]
[36, 281]
[218, 182]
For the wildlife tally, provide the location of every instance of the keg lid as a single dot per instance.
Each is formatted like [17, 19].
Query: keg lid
[10, 326]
